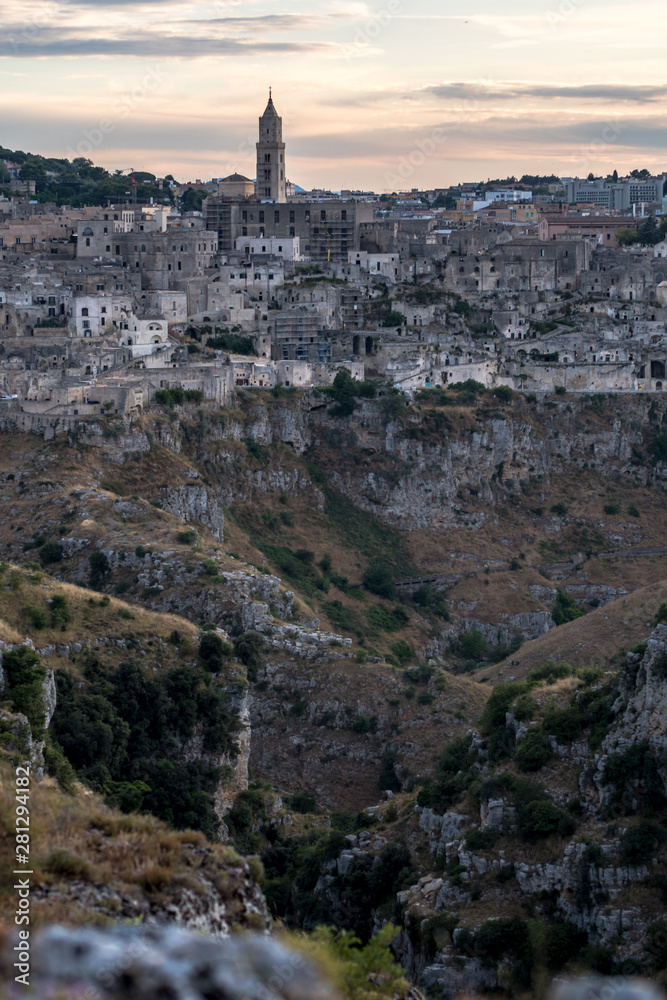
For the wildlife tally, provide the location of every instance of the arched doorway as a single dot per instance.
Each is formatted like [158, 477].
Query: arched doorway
[356, 345]
[369, 345]
[657, 369]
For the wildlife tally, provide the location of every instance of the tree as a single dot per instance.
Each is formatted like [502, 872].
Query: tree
[379, 580]
[99, 568]
[565, 608]
[191, 200]
[211, 651]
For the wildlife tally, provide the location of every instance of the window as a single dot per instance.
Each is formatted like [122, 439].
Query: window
[323, 216]
[261, 216]
[244, 216]
[276, 217]
[267, 157]
[291, 216]
[343, 215]
[292, 231]
[84, 312]
[100, 288]
[244, 232]
[307, 215]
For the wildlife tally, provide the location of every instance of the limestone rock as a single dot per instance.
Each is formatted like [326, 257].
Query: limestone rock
[159, 962]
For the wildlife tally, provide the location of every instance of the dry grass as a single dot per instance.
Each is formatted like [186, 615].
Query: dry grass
[92, 615]
[592, 641]
[77, 838]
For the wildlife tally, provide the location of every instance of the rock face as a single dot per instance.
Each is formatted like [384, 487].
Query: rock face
[196, 503]
[167, 962]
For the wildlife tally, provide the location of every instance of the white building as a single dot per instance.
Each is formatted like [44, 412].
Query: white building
[277, 246]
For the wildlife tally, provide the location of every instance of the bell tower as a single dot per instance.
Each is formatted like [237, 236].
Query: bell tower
[271, 156]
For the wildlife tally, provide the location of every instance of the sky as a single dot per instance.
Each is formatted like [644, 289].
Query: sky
[393, 95]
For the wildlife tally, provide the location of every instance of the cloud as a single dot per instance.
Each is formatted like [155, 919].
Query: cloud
[57, 42]
[511, 91]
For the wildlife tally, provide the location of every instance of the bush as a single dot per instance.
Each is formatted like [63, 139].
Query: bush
[25, 679]
[533, 752]
[541, 818]
[639, 843]
[234, 343]
[249, 648]
[212, 651]
[560, 509]
[99, 568]
[564, 942]
[661, 614]
[188, 537]
[550, 672]
[612, 508]
[302, 802]
[473, 645]
[402, 652]
[39, 618]
[59, 610]
[481, 840]
[379, 580]
[51, 553]
[176, 396]
[498, 704]
[565, 608]
[564, 723]
[503, 393]
[389, 621]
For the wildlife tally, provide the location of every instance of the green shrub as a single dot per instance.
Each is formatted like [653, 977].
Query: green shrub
[188, 537]
[565, 608]
[250, 647]
[564, 723]
[633, 511]
[176, 396]
[612, 508]
[550, 672]
[25, 679]
[402, 652]
[661, 614]
[51, 553]
[39, 617]
[559, 508]
[498, 704]
[542, 818]
[481, 840]
[234, 343]
[473, 645]
[302, 802]
[639, 843]
[525, 708]
[503, 393]
[635, 774]
[533, 752]
[99, 568]
[379, 580]
[212, 651]
[287, 518]
[564, 942]
[60, 614]
[389, 621]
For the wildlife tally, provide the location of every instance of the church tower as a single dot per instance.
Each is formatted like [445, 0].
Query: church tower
[271, 156]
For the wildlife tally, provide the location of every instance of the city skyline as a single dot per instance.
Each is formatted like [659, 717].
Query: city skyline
[377, 96]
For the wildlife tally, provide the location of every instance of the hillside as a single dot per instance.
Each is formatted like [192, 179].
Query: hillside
[293, 632]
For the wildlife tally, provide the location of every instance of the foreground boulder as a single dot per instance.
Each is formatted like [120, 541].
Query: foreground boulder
[164, 963]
